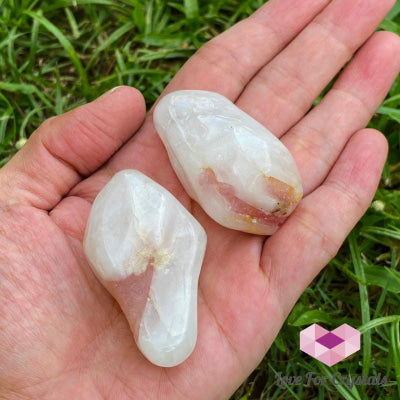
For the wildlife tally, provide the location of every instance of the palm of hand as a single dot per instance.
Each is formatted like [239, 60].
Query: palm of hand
[74, 338]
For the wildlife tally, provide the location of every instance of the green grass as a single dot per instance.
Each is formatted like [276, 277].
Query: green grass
[56, 55]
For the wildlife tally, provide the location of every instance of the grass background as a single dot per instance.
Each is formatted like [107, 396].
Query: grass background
[56, 55]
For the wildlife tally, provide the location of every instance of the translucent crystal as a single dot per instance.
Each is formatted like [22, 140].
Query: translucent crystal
[238, 171]
[147, 249]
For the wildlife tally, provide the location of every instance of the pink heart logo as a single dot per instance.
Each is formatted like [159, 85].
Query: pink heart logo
[329, 347]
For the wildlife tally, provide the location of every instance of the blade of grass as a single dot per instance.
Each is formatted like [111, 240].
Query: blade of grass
[129, 26]
[34, 44]
[8, 115]
[23, 88]
[75, 3]
[72, 22]
[389, 25]
[378, 322]
[395, 11]
[387, 278]
[343, 268]
[391, 233]
[191, 8]
[395, 344]
[67, 46]
[139, 15]
[364, 304]
[393, 98]
[391, 112]
[59, 108]
[384, 291]
[22, 130]
[348, 394]
[149, 18]
[313, 316]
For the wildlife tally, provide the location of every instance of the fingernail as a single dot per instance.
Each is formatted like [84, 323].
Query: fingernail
[105, 94]
[115, 88]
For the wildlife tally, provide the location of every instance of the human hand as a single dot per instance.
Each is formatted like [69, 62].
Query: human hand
[63, 336]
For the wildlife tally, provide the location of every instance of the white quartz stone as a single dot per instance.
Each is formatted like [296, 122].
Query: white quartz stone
[136, 224]
[238, 171]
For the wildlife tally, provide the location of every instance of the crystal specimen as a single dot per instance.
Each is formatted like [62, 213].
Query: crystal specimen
[238, 171]
[147, 250]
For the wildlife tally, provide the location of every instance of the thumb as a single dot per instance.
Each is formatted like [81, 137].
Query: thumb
[66, 148]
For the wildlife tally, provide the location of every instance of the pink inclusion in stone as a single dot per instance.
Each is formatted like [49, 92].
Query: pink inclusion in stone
[237, 205]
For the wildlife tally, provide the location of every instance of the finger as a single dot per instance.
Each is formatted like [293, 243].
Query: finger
[68, 147]
[319, 138]
[228, 62]
[313, 234]
[283, 91]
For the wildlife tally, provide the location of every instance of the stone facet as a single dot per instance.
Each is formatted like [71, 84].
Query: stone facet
[238, 171]
[139, 233]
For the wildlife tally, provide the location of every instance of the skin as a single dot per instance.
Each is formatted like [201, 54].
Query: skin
[63, 336]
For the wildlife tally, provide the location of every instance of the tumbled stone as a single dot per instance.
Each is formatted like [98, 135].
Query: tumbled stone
[238, 171]
[147, 250]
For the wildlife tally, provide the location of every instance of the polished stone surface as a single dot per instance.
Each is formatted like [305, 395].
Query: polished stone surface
[138, 231]
[238, 171]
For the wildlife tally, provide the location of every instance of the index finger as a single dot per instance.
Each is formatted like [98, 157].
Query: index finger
[228, 62]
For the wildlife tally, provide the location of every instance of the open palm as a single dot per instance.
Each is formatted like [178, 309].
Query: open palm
[62, 335]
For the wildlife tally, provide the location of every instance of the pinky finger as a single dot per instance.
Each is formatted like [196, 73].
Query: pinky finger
[311, 237]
